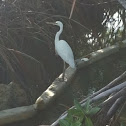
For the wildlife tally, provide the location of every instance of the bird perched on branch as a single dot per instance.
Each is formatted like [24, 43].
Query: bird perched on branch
[63, 49]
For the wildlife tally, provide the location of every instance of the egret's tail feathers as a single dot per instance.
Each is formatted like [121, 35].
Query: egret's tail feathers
[72, 65]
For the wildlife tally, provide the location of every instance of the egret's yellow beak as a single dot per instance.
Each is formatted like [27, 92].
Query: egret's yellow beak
[52, 23]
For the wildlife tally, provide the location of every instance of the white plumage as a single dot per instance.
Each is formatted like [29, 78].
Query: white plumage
[62, 47]
[65, 52]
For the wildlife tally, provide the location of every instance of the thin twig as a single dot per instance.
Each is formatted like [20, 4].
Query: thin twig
[73, 6]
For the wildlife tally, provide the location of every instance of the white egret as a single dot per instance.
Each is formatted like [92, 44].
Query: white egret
[63, 49]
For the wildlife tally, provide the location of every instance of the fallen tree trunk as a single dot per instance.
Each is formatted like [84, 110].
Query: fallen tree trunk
[17, 114]
[55, 89]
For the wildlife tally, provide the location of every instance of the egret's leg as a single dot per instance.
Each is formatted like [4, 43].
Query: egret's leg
[64, 67]
[56, 53]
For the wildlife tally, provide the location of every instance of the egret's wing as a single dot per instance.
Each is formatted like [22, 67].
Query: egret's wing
[65, 52]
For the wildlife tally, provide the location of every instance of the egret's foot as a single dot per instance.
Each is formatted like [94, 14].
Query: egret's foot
[76, 64]
[60, 79]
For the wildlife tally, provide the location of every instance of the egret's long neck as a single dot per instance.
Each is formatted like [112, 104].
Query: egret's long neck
[58, 34]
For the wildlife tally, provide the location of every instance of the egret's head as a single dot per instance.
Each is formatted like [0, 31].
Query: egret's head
[58, 23]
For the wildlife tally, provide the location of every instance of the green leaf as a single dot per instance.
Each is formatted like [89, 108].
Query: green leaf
[75, 114]
[88, 122]
[93, 110]
[77, 123]
[64, 123]
[69, 118]
[87, 106]
[78, 106]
